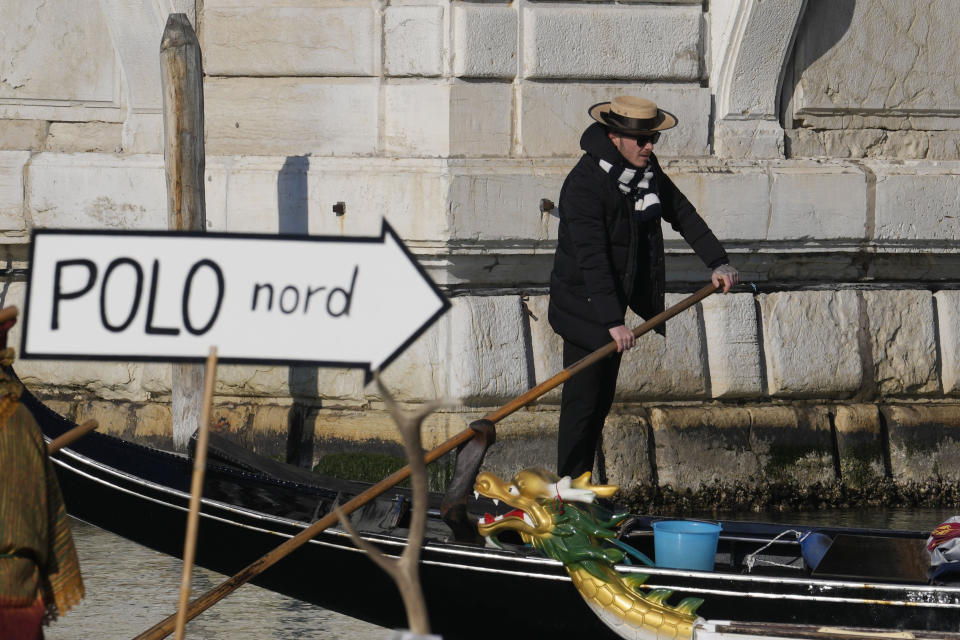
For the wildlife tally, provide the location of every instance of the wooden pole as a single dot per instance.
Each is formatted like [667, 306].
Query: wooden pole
[71, 436]
[181, 73]
[163, 628]
[196, 492]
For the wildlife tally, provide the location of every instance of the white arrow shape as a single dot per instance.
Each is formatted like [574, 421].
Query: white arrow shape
[170, 296]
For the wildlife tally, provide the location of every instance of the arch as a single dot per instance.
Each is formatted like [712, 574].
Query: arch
[135, 31]
[750, 77]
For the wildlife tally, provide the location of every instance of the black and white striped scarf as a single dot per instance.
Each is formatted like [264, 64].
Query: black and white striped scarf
[641, 186]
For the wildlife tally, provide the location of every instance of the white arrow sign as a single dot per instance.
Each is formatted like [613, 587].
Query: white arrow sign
[170, 296]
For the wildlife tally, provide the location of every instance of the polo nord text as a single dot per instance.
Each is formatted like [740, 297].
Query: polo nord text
[335, 301]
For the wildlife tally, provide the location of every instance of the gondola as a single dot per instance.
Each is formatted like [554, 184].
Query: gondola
[867, 578]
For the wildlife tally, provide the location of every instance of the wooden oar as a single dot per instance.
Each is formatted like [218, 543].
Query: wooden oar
[163, 628]
[71, 436]
[196, 491]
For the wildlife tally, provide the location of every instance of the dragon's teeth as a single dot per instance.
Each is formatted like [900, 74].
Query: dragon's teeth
[496, 502]
[528, 519]
[476, 495]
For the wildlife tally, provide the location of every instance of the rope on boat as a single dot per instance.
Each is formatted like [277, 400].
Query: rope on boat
[751, 559]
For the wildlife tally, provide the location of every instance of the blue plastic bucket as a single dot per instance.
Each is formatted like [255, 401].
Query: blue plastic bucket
[685, 544]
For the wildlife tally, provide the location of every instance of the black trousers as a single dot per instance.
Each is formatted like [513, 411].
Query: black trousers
[584, 403]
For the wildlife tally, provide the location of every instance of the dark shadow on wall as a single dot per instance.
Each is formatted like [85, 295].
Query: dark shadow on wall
[293, 213]
[823, 25]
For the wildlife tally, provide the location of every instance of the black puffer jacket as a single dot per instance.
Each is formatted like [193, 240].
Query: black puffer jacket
[606, 258]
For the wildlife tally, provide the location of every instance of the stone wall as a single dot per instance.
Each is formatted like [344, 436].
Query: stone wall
[901, 101]
[833, 189]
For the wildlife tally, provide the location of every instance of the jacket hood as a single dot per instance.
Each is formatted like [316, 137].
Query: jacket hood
[596, 143]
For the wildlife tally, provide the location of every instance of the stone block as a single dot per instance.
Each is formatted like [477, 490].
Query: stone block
[810, 342]
[291, 116]
[748, 139]
[442, 119]
[335, 387]
[296, 195]
[410, 194]
[503, 204]
[231, 419]
[546, 346]
[859, 444]
[373, 428]
[108, 380]
[157, 379]
[734, 200]
[257, 40]
[97, 191]
[916, 201]
[484, 41]
[70, 137]
[866, 143]
[481, 119]
[420, 373]
[270, 420]
[699, 446]
[733, 346]
[252, 380]
[11, 189]
[908, 78]
[901, 331]
[817, 203]
[626, 451]
[247, 194]
[948, 323]
[26, 135]
[329, 387]
[39, 59]
[113, 418]
[944, 145]
[417, 119]
[553, 115]
[924, 442]
[612, 43]
[413, 41]
[487, 334]
[153, 420]
[659, 368]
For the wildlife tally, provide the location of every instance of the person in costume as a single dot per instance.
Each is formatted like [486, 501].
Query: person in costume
[610, 256]
[39, 571]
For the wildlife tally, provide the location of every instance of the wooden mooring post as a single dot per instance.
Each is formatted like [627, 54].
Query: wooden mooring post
[181, 71]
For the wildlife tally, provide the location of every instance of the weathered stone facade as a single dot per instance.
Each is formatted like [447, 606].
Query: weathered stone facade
[834, 189]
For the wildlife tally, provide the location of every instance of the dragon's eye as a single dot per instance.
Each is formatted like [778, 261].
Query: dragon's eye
[512, 490]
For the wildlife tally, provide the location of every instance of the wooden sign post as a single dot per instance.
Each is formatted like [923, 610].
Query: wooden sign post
[196, 491]
[181, 71]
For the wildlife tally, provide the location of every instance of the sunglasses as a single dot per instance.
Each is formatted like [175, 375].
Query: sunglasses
[644, 139]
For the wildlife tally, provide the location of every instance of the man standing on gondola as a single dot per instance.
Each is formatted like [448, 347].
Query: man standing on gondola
[39, 572]
[610, 256]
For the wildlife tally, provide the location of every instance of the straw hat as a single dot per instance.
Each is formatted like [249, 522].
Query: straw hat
[631, 115]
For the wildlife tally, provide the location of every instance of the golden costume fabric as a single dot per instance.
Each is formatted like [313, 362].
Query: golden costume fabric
[39, 570]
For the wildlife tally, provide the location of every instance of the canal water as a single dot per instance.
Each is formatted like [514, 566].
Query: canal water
[130, 588]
